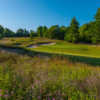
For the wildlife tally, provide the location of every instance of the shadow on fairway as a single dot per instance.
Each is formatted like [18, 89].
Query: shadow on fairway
[23, 51]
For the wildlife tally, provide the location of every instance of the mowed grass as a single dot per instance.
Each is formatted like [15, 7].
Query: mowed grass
[61, 47]
[86, 53]
[71, 49]
[44, 78]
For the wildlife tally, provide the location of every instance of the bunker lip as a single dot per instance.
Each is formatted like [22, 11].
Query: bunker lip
[40, 44]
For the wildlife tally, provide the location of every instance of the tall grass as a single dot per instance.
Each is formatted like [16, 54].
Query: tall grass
[44, 78]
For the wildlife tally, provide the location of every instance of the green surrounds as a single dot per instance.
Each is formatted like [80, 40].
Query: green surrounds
[31, 52]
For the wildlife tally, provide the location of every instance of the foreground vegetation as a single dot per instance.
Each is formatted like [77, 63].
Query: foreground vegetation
[55, 78]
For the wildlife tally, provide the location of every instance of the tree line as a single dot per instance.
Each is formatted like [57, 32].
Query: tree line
[87, 33]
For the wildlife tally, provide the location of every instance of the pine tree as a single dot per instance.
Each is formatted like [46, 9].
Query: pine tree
[97, 26]
[1, 31]
[39, 31]
[73, 32]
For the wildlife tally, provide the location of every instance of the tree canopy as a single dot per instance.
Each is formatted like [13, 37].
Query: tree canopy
[87, 33]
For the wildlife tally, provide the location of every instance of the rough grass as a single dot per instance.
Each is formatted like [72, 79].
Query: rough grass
[23, 42]
[44, 78]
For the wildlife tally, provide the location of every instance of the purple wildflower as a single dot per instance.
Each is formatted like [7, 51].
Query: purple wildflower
[39, 97]
[0, 95]
[53, 99]
[6, 96]
[48, 98]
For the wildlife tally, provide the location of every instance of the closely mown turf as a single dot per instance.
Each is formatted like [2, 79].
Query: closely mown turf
[85, 53]
[71, 49]
[43, 78]
[61, 47]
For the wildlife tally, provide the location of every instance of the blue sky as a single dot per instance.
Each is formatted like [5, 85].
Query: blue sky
[30, 14]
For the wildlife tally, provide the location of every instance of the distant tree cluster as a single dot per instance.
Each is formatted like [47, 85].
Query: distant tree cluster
[5, 32]
[87, 33]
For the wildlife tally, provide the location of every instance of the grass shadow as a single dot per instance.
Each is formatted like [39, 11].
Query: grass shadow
[23, 51]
